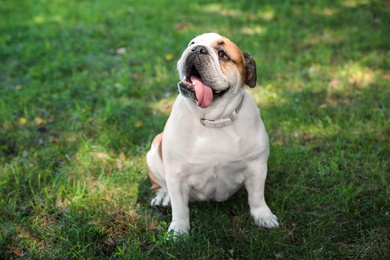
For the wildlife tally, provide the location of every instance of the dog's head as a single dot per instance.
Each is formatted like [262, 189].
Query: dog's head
[213, 67]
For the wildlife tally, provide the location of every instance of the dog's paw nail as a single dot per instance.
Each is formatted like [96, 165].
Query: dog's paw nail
[161, 199]
[178, 228]
[265, 218]
[166, 201]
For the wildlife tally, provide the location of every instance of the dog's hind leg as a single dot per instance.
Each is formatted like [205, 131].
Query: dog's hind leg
[157, 173]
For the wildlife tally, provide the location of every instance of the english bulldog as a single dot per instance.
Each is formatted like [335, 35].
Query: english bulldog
[214, 141]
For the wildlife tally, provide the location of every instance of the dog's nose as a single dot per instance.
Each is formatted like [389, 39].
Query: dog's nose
[199, 49]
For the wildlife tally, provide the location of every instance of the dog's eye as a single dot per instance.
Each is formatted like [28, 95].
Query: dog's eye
[222, 55]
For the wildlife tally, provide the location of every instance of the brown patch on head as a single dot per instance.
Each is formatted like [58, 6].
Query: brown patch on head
[241, 60]
[233, 52]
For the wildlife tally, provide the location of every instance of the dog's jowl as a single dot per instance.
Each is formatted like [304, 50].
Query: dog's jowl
[214, 141]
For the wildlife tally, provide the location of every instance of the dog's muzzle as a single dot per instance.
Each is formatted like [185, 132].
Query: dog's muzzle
[194, 84]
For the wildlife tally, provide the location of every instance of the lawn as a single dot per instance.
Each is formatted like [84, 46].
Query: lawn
[85, 86]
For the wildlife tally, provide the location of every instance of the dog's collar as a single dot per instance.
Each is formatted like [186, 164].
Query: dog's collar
[222, 122]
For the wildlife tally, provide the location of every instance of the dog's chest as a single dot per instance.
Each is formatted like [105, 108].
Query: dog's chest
[215, 181]
[212, 163]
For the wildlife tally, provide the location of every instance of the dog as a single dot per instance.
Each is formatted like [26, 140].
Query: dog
[214, 141]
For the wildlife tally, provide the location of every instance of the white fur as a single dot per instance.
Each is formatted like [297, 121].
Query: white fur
[201, 163]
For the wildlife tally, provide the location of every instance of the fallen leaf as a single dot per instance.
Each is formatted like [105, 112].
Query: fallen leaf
[22, 121]
[38, 121]
[138, 124]
[102, 156]
[169, 56]
[334, 83]
[278, 143]
[17, 252]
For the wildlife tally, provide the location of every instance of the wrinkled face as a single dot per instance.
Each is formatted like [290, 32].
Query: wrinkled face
[212, 67]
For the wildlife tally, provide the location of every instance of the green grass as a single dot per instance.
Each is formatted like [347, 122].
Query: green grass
[85, 85]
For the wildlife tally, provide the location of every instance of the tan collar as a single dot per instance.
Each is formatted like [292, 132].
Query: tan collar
[222, 122]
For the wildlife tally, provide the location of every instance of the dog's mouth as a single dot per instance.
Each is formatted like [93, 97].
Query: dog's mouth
[195, 88]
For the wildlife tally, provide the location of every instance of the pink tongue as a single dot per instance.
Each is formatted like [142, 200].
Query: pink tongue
[204, 93]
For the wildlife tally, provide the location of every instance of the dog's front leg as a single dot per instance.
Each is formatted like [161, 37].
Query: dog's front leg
[260, 211]
[180, 212]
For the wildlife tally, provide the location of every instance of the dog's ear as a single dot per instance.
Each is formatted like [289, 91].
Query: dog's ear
[250, 66]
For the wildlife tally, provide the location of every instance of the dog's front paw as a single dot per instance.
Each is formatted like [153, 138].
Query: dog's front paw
[265, 218]
[161, 199]
[178, 228]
